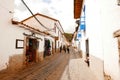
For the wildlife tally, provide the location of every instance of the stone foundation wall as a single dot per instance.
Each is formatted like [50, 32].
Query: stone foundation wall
[40, 56]
[15, 62]
[57, 51]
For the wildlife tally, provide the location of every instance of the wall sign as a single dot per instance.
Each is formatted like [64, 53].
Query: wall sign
[19, 44]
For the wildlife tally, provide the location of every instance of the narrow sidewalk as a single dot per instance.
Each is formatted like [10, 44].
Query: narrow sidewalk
[78, 70]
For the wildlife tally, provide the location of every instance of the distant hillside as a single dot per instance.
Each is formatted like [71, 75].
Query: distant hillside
[68, 36]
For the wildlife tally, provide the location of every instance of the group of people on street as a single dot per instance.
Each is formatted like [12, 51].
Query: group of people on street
[66, 49]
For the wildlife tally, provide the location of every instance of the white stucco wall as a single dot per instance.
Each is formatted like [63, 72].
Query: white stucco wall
[9, 55]
[8, 36]
[41, 42]
[110, 23]
[102, 20]
[93, 28]
[9, 33]
[6, 32]
[93, 34]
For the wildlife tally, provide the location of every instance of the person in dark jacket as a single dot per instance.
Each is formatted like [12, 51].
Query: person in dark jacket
[64, 48]
[60, 49]
[68, 50]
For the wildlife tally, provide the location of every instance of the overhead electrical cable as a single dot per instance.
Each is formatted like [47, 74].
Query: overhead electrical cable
[35, 16]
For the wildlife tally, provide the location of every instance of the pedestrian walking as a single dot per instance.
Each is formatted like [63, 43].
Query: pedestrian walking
[60, 49]
[68, 50]
[64, 48]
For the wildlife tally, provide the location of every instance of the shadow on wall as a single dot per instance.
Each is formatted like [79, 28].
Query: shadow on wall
[15, 62]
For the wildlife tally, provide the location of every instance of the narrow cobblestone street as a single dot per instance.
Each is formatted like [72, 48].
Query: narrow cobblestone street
[60, 66]
[40, 71]
[60, 40]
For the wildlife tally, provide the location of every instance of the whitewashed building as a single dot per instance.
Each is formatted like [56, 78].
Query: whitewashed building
[101, 36]
[29, 40]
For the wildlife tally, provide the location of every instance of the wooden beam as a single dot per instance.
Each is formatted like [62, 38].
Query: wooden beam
[77, 8]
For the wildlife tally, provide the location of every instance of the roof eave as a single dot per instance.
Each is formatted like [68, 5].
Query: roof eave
[77, 8]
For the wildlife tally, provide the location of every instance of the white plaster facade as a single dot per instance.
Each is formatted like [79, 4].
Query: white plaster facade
[6, 32]
[13, 58]
[102, 20]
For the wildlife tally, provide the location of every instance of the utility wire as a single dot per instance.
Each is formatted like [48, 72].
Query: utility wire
[34, 15]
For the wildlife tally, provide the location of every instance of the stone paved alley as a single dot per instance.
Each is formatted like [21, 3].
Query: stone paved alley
[62, 66]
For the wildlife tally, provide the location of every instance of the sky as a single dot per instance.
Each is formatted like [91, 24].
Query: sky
[61, 10]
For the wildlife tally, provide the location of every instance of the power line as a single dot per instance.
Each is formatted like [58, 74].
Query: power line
[34, 16]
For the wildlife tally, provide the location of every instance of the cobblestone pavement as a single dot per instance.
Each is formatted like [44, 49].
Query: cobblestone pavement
[49, 69]
[60, 66]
